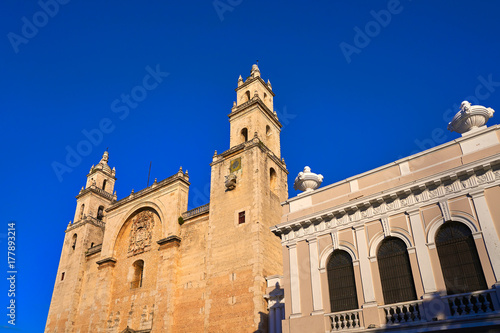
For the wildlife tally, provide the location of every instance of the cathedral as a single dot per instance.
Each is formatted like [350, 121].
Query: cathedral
[410, 246]
[145, 263]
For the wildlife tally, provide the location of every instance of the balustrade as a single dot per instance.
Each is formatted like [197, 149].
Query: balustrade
[400, 313]
[196, 211]
[345, 320]
[471, 304]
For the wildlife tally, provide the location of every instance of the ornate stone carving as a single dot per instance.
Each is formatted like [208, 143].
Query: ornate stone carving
[482, 178]
[231, 182]
[385, 226]
[141, 232]
[470, 117]
[445, 210]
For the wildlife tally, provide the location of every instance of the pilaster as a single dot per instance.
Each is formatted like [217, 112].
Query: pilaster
[488, 227]
[424, 260]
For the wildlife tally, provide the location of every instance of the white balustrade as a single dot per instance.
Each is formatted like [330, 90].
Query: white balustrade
[345, 320]
[405, 312]
[471, 304]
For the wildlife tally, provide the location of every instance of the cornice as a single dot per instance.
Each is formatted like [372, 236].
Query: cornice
[255, 100]
[84, 221]
[250, 80]
[255, 142]
[107, 260]
[468, 179]
[94, 189]
[151, 189]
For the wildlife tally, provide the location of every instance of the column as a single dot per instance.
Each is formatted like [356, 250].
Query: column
[315, 278]
[490, 235]
[272, 324]
[423, 257]
[279, 318]
[294, 280]
[364, 265]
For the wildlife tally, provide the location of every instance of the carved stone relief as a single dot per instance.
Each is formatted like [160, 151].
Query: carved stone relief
[141, 232]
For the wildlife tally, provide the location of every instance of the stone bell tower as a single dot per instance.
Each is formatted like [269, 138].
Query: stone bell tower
[248, 183]
[84, 235]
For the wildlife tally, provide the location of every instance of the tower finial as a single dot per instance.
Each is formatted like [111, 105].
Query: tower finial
[255, 72]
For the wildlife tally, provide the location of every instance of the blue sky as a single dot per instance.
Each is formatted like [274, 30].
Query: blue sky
[358, 84]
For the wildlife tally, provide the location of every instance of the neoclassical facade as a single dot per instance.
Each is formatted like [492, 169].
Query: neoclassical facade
[410, 246]
[145, 263]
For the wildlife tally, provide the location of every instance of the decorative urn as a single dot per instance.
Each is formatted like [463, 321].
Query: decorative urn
[307, 181]
[470, 117]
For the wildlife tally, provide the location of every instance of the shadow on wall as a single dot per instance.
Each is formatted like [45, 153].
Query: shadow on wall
[263, 323]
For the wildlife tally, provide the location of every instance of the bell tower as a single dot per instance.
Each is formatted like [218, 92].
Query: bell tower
[248, 184]
[253, 113]
[83, 237]
[98, 192]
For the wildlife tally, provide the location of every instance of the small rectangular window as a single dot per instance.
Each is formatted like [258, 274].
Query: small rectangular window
[241, 217]
[62, 276]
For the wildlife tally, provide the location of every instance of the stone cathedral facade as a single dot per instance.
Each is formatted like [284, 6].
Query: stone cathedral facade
[145, 264]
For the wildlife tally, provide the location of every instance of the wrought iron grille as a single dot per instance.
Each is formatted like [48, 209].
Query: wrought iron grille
[459, 259]
[341, 283]
[395, 271]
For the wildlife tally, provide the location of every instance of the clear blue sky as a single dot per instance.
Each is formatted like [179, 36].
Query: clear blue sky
[349, 101]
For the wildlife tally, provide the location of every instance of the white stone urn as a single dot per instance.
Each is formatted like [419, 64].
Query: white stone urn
[307, 181]
[470, 117]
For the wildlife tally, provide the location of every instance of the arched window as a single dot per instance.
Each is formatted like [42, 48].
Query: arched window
[244, 135]
[268, 130]
[395, 271]
[459, 260]
[247, 95]
[73, 246]
[138, 274]
[100, 212]
[104, 184]
[272, 179]
[82, 208]
[341, 284]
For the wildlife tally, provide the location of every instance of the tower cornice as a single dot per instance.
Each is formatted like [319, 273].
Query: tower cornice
[96, 190]
[253, 79]
[239, 109]
[255, 142]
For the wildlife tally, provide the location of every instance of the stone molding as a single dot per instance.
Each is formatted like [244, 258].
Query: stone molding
[100, 192]
[468, 179]
[85, 220]
[252, 79]
[170, 239]
[179, 176]
[106, 261]
[255, 142]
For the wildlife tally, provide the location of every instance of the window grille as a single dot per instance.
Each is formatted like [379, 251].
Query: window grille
[395, 271]
[341, 283]
[459, 259]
